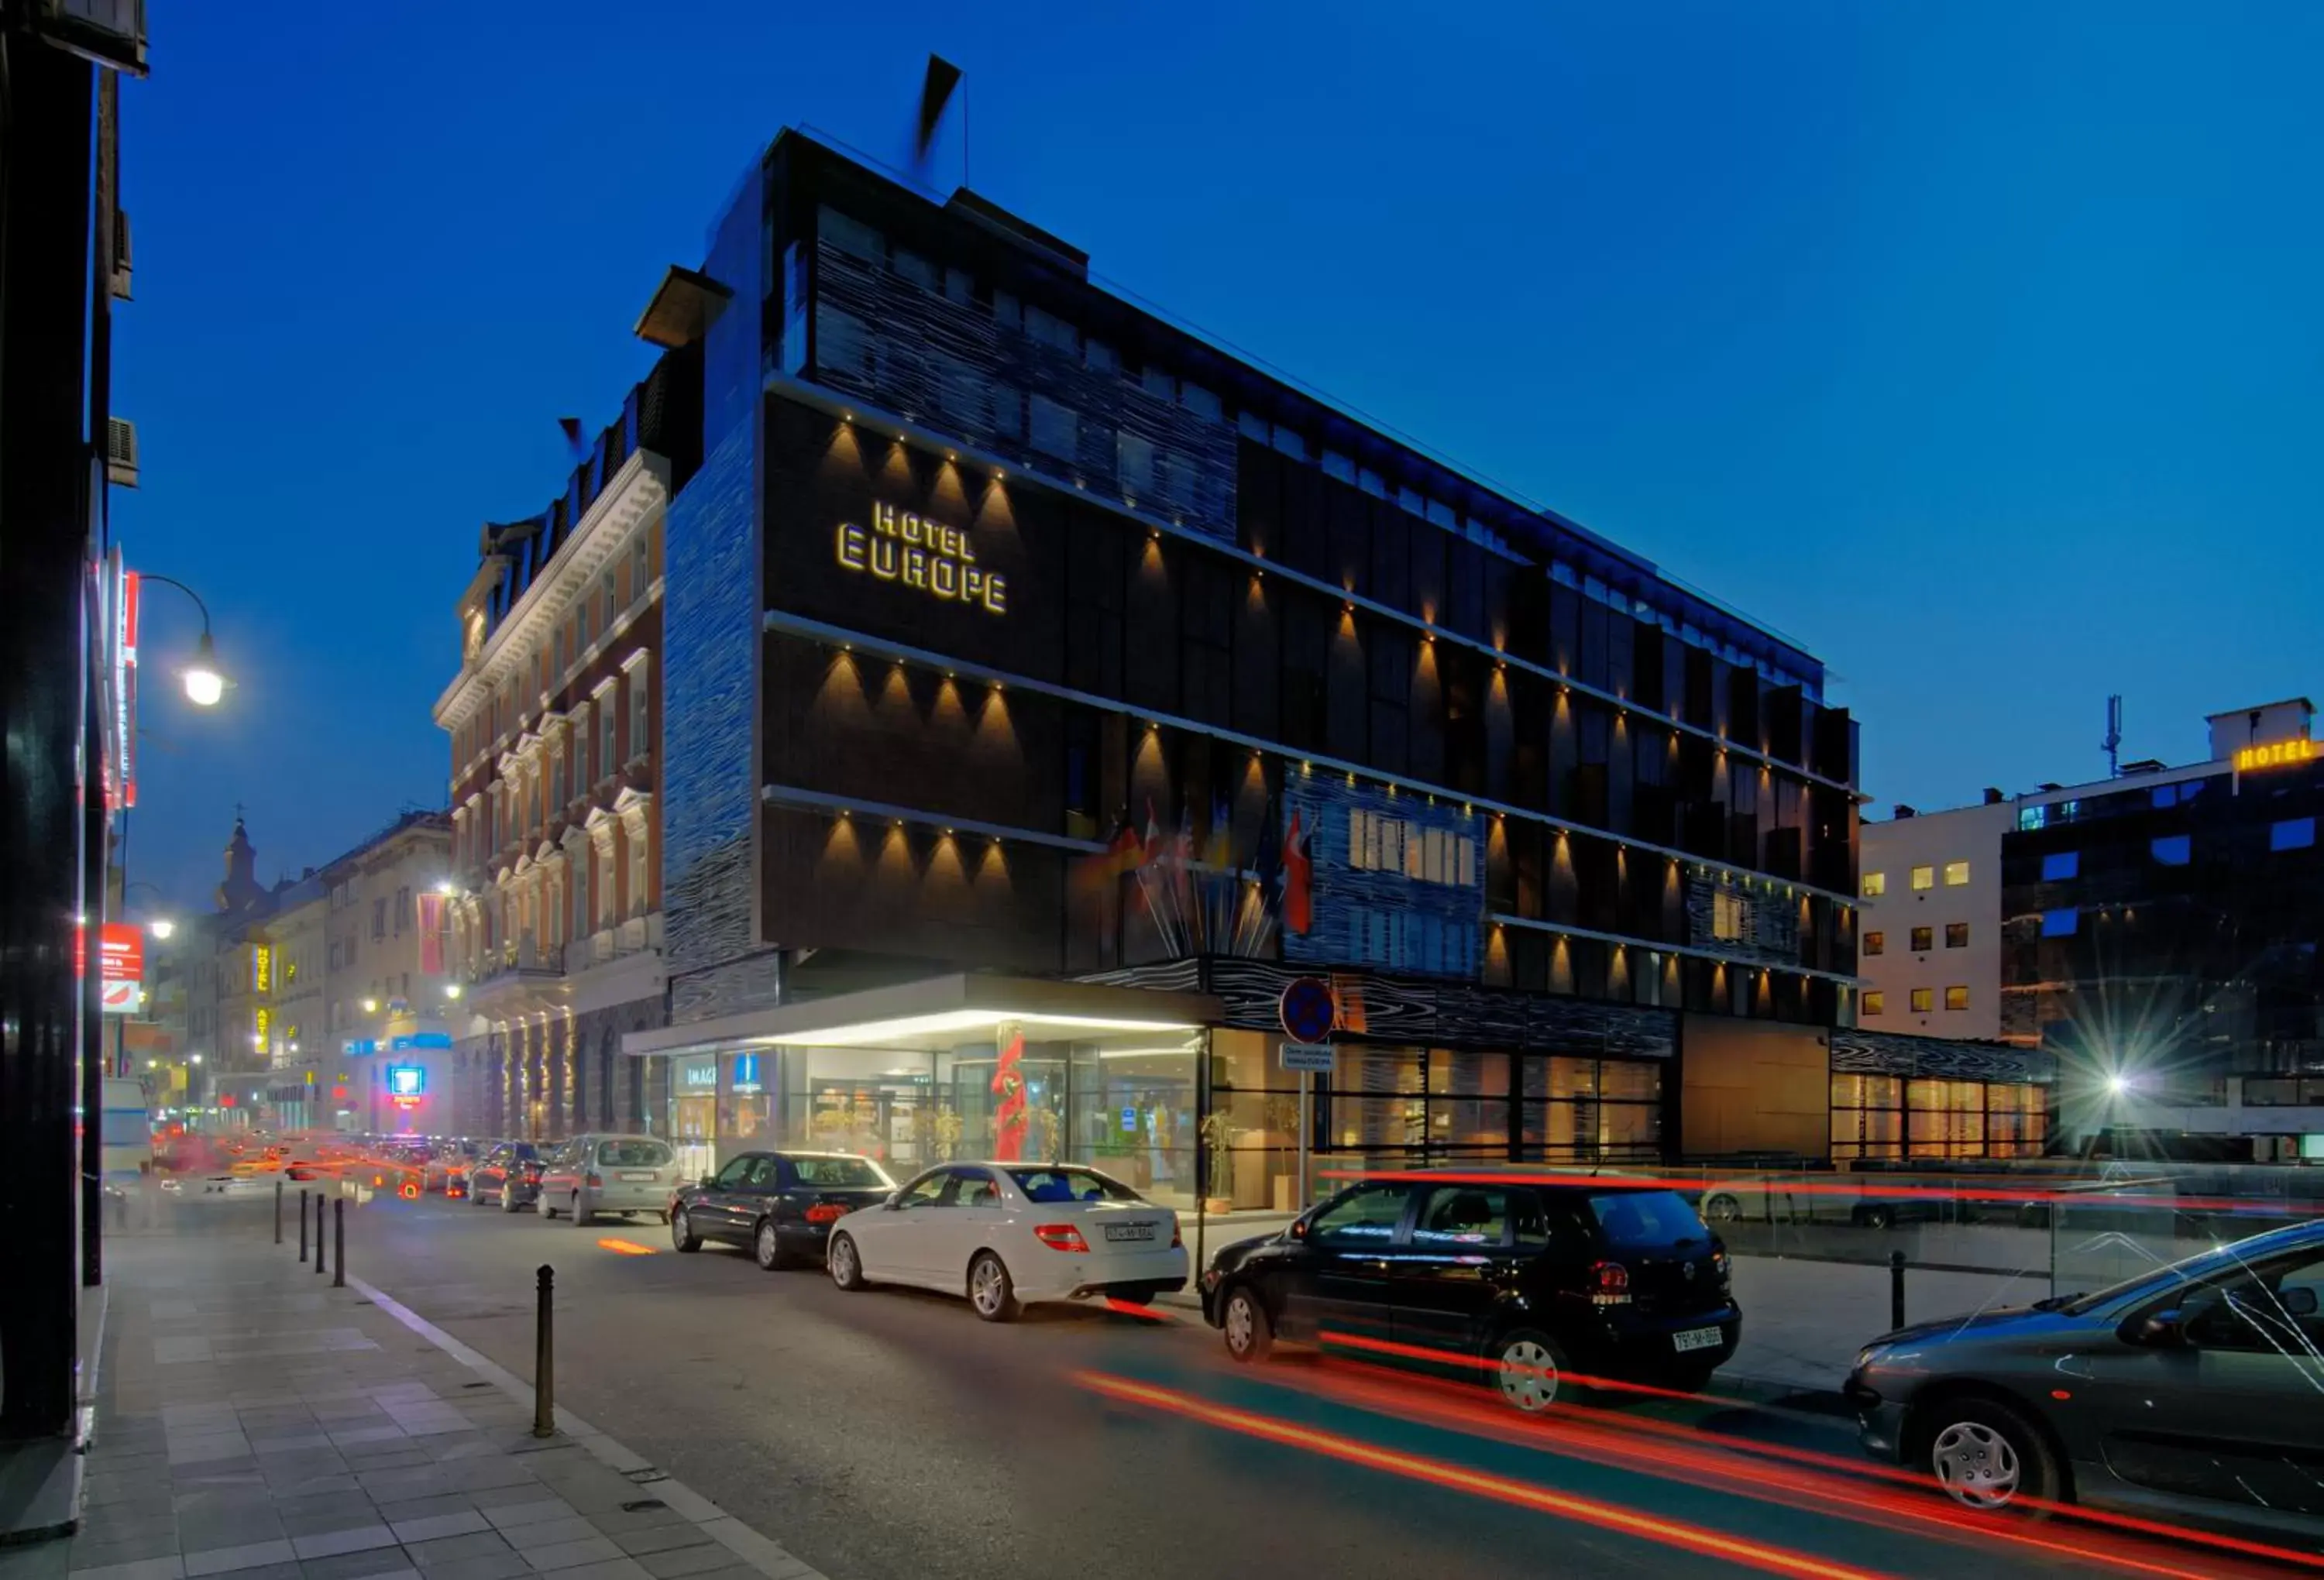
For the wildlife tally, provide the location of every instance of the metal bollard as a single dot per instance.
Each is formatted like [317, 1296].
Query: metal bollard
[302, 1219]
[319, 1231]
[544, 1358]
[277, 1209]
[1895, 1289]
[339, 1244]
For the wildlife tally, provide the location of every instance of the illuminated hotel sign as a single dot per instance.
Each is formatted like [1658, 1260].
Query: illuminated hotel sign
[900, 546]
[2275, 754]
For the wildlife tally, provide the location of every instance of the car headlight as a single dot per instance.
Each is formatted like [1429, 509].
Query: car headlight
[1867, 1354]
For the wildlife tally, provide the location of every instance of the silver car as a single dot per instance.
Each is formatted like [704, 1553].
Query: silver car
[622, 1174]
[2192, 1393]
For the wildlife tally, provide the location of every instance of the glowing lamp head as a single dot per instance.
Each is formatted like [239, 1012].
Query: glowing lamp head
[445, 886]
[161, 927]
[370, 1006]
[451, 990]
[204, 683]
[2117, 1083]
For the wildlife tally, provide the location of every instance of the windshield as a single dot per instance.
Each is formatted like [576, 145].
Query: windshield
[1647, 1220]
[838, 1172]
[632, 1155]
[2155, 1279]
[1070, 1185]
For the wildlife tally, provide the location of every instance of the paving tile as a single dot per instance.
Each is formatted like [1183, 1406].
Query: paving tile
[687, 1560]
[550, 1532]
[316, 1487]
[122, 1523]
[530, 1512]
[353, 1515]
[202, 1530]
[331, 1542]
[501, 1565]
[40, 1561]
[247, 1556]
[497, 1472]
[367, 1434]
[170, 1568]
[474, 1545]
[566, 1555]
[733, 1568]
[286, 1439]
[428, 1527]
[663, 1538]
[89, 1553]
[385, 1456]
[362, 1566]
[618, 1567]
[421, 1508]
[614, 1520]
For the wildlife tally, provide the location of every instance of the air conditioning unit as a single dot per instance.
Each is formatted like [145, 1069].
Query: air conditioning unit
[121, 452]
[121, 254]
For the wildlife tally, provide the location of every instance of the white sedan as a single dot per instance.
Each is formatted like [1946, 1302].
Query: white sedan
[1009, 1233]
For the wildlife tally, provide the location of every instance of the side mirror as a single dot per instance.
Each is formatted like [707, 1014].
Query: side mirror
[2162, 1330]
[895, 1199]
[1298, 1228]
[708, 1181]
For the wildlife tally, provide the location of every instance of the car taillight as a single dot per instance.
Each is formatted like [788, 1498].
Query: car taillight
[1061, 1238]
[1719, 1262]
[592, 1182]
[1609, 1284]
[1177, 1240]
[826, 1213]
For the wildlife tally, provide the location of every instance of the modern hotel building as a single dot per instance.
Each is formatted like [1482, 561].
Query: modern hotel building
[1044, 686]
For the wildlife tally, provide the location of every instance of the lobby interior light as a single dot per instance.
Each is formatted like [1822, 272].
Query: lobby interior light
[451, 990]
[198, 1059]
[944, 1022]
[370, 1006]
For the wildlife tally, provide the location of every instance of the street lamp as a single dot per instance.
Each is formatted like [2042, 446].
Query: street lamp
[451, 990]
[370, 1006]
[204, 681]
[161, 927]
[198, 1059]
[445, 886]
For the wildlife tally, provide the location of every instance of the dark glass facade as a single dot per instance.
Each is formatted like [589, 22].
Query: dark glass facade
[1038, 572]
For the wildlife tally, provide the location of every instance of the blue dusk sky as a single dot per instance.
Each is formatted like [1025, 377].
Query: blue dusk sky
[1972, 343]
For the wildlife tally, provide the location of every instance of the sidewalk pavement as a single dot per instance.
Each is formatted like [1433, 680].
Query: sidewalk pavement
[254, 1422]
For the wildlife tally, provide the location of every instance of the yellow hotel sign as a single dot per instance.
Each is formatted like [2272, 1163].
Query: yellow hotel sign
[2275, 754]
[902, 546]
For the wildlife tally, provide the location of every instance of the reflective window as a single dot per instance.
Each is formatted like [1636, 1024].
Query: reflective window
[2062, 923]
[1874, 942]
[1956, 997]
[2172, 849]
[924, 1190]
[1923, 938]
[1460, 1217]
[1924, 878]
[1956, 874]
[2061, 865]
[1925, 999]
[2293, 834]
[1875, 1002]
[1955, 935]
[1366, 1215]
[1056, 430]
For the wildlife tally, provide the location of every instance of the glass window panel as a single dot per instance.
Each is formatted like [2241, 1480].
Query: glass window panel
[2059, 865]
[1924, 878]
[1457, 1072]
[1956, 874]
[2172, 851]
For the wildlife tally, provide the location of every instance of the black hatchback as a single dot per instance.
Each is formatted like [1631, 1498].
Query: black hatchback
[1538, 1286]
[781, 1205]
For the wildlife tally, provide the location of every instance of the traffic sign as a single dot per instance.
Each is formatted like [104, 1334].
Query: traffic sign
[1308, 1009]
[1314, 1057]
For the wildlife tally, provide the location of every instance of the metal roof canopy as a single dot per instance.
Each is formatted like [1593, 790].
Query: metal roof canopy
[938, 1012]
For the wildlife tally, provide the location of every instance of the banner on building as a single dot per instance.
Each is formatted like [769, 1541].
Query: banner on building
[431, 934]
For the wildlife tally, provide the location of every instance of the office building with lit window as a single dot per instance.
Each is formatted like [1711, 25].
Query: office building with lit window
[2155, 939]
[1046, 686]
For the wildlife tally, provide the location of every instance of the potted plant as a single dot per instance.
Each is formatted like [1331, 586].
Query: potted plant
[1219, 1165]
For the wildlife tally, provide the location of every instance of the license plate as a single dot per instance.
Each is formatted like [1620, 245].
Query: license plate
[1695, 1339]
[644, 1178]
[1129, 1231]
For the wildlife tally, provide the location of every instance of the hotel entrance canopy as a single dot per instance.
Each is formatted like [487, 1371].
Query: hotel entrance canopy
[939, 1012]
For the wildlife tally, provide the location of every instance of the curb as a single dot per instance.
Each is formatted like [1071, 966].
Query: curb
[768, 1558]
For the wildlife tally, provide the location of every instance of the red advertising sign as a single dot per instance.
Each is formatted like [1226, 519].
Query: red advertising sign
[121, 965]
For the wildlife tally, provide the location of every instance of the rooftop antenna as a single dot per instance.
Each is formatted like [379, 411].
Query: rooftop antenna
[2112, 744]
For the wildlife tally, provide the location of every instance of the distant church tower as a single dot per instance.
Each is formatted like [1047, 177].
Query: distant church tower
[240, 893]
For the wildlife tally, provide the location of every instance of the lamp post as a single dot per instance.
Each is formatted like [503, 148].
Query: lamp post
[204, 681]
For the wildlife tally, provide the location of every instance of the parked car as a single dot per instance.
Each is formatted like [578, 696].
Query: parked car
[509, 1173]
[2186, 1394]
[594, 1174]
[1856, 1199]
[1537, 1287]
[447, 1168]
[781, 1205]
[1008, 1234]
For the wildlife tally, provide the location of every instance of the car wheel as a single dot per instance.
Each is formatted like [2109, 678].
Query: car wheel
[990, 1289]
[581, 1215]
[547, 1212]
[681, 1231]
[846, 1266]
[1531, 1368]
[1989, 1456]
[1249, 1335]
[767, 1247]
[1721, 1208]
[508, 1199]
[475, 1198]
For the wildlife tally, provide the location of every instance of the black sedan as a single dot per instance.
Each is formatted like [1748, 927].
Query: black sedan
[509, 1174]
[780, 1204]
[1540, 1288]
[2192, 1393]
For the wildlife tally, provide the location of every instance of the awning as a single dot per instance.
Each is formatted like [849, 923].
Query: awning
[939, 1012]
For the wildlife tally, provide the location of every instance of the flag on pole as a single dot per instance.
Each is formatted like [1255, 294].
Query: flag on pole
[935, 93]
[1298, 878]
[431, 915]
